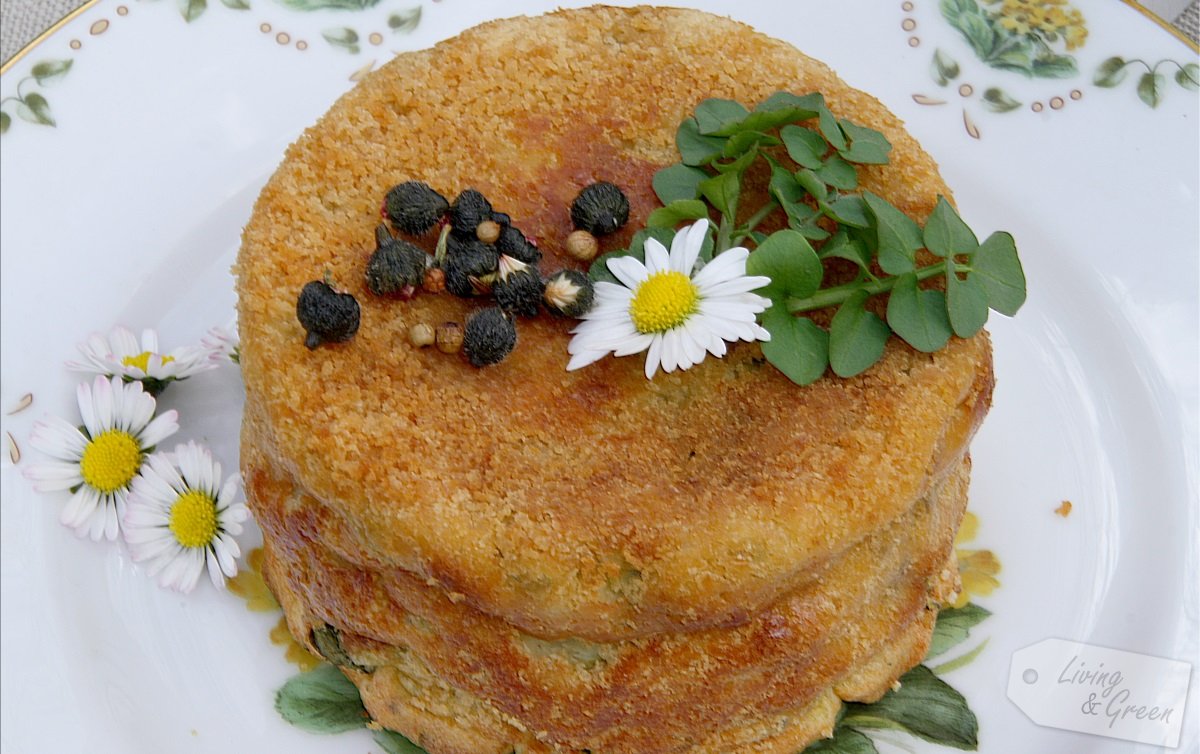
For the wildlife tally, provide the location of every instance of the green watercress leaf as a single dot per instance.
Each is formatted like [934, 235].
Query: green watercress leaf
[723, 191]
[798, 346]
[677, 182]
[694, 148]
[782, 108]
[1188, 76]
[322, 700]
[1149, 88]
[405, 21]
[51, 71]
[806, 147]
[998, 269]
[789, 260]
[924, 706]
[898, 235]
[845, 740]
[867, 146]
[838, 173]
[746, 141]
[35, 109]
[1110, 73]
[676, 212]
[848, 210]
[784, 188]
[856, 337]
[831, 130]
[946, 233]
[966, 302]
[813, 184]
[714, 114]
[393, 743]
[918, 316]
[842, 246]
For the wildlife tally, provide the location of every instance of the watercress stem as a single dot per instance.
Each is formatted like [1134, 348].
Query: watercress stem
[833, 296]
[724, 231]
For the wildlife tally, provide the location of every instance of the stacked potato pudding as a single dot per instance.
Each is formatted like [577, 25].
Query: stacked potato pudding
[523, 558]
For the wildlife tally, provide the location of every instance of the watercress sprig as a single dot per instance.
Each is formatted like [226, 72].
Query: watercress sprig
[813, 189]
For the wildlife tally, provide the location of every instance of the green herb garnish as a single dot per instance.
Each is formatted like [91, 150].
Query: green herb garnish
[812, 158]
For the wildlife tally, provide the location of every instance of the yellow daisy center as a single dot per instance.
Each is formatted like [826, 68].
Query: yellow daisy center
[142, 360]
[194, 519]
[665, 300]
[110, 460]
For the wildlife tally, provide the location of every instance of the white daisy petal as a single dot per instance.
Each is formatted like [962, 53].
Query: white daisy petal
[727, 265]
[694, 240]
[657, 259]
[629, 270]
[634, 345]
[51, 477]
[163, 426]
[81, 505]
[731, 287]
[654, 355]
[57, 437]
[102, 401]
[584, 358]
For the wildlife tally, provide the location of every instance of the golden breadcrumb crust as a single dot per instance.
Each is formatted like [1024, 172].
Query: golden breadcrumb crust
[592, 503]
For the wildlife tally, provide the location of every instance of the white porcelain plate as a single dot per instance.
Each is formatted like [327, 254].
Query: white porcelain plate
[172, 115]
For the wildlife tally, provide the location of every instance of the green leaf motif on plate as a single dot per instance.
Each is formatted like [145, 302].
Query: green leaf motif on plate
[1110, 73]
[192, 9]
[322, 700]
[5, 122]
[1188, 76]
[944, 69]
[311, 5]
[50, 71]
[342, 37]
[34, 108]
[999, 101]
[405, 21]
[924, 706]
[1149, 88]
[954, 626]
[236, 4]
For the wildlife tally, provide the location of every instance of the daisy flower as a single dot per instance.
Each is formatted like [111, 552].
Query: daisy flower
[181, 518]
[121, 355]
[99, 461]
[222, 343]
[668, 308]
